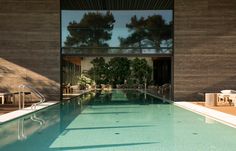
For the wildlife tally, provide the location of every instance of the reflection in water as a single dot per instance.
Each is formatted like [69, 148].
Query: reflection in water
[209, 120]
[114, 127]
[37, 119]
[42, 125]
[72, 108]
[41, 129]
[124, 97]
[21, 126]
[119, 96]
[21, 135]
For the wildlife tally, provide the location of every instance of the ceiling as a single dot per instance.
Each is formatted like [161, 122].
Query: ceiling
[116, 4]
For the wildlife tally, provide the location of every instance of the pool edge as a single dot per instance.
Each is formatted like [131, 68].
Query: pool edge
[20, 113]
[224, 118]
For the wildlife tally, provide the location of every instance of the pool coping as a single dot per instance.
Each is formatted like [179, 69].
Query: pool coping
[19, 113]
[221, 117]
[218, 116]
[74, 95]
[156, 96]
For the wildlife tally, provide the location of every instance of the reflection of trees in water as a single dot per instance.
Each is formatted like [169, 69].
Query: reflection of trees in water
[134, 96]
[103, 97]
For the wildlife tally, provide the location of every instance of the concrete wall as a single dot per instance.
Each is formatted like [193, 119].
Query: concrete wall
[205, 47]
[30, 45]
[204, 57]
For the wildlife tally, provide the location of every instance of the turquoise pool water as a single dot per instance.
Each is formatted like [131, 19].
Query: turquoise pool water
[117, 121]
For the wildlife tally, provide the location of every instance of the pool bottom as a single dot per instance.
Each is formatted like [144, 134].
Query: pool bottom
[142, 127]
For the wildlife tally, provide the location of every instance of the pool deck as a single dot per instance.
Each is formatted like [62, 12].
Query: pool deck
[219, 116]
[18, 113]
[68, 96]
[222, 108]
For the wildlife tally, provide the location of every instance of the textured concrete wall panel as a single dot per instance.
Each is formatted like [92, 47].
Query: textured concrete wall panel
[30, 45]
[205, 47]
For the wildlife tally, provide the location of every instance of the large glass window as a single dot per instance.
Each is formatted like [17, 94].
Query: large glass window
[117, 45]
[117, 32]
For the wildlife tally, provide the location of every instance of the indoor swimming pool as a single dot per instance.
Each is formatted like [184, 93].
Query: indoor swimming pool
[118, 120]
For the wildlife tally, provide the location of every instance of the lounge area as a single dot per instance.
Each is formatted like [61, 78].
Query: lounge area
[16, 100]
[9, 101]
[223, 108]
[224, 98]
[223, 101]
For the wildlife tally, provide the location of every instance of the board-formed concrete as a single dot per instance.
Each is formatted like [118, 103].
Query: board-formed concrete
[205, 47]
[30, 45]
[204, 57]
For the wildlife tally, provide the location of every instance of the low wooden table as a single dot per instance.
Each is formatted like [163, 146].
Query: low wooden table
[67, 89]
[25, 93]
[210, 99]
[5, 97]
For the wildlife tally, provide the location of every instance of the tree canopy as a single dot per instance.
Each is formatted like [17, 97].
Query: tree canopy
[93, 30]
[141, 71]
[99, 71]
[146, 32]
[119, 68]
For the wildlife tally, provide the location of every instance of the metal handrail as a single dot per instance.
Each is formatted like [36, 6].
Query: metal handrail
[36, 92]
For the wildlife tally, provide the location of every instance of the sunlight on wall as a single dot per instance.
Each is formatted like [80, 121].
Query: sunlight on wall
[12, 75]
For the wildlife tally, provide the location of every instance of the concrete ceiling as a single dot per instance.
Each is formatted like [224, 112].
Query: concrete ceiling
[116, 4]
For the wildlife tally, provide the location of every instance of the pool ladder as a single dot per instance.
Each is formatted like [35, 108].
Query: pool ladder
[22, 95]
[21, 126]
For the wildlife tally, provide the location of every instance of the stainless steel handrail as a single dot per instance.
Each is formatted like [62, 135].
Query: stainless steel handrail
[36, 92]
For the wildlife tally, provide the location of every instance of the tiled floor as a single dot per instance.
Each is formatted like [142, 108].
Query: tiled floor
[222, 108]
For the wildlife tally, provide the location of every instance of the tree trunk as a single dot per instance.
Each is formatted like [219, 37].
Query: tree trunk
[140, 47]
